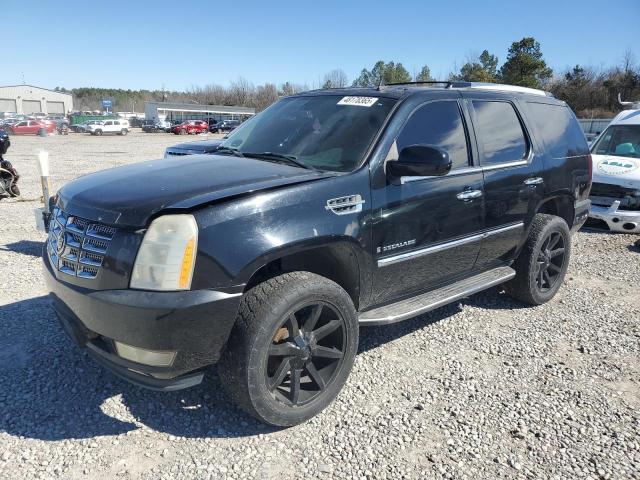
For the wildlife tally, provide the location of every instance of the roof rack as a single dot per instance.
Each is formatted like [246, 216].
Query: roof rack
[478, 85]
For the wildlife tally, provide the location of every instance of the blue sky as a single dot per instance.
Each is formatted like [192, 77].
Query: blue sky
[182, 43]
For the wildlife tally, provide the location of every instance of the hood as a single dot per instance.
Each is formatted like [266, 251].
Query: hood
[130, 195]
[615, 170]
[201, 146]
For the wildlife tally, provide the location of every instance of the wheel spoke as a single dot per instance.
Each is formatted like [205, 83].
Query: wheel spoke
[280, 373]
[556, 252]
[540, 278]
[315, 375]
[326, 352]
[547, 277]
[293, 324]
[295, 385]
[285, 349]
[555, 268]
[310, 324]
[326, 329]
[553, 240]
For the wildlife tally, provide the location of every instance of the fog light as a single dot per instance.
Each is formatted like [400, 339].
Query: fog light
[148, 357]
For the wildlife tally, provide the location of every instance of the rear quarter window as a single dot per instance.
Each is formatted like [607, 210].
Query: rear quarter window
[559, 129]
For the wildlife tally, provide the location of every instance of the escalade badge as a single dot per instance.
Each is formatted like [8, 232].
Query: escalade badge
[394, 246]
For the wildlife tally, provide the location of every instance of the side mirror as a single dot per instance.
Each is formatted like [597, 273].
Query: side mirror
[420, 161]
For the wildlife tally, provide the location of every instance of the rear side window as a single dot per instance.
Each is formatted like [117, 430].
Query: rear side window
[439, 124]
[499, 132]
[560, 130]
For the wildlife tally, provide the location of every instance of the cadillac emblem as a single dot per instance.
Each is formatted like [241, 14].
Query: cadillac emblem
[60, 242]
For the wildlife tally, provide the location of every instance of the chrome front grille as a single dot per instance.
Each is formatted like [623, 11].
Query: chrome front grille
[76, 246]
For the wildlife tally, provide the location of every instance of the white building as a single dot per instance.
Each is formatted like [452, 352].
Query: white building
[27, 99]
[173, 111]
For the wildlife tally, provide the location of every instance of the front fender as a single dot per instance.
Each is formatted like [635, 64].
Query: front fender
[240, 236]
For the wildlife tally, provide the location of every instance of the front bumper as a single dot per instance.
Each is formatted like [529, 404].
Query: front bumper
[625, 221]
[196, 324]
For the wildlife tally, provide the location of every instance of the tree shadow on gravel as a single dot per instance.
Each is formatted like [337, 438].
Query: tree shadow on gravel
[52, 390]
[26, 247]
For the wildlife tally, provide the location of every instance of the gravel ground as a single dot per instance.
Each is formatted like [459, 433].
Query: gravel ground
[481, 389]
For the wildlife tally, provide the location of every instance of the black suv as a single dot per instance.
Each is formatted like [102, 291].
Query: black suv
[329, 210]
[224, 126]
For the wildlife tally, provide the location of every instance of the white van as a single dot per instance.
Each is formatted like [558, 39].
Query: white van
[615, 194]
[119, 126]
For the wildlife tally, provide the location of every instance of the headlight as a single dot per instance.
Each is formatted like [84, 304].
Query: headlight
[167, 255]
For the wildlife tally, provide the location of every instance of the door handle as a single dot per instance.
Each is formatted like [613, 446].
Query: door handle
[533, 181]
[468, 195]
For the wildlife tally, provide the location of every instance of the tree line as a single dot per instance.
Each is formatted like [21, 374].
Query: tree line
[591, 92]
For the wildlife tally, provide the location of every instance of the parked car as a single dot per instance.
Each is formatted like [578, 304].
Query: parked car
[190, 127]
[615, 194]
[29, 127]
[157, 126]
[82, 127]
[327, 211]
[192, 148]
[224, 126]
[136, 122]
[120, 127]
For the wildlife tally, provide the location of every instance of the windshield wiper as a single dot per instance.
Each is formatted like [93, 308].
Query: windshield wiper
[230, 151]
[291, 159]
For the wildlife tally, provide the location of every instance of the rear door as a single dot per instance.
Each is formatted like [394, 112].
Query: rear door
[513, 185]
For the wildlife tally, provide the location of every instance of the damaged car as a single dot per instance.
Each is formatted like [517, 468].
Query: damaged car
[615, 194]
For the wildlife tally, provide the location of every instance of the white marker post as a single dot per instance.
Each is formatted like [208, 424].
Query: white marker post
[42, 214]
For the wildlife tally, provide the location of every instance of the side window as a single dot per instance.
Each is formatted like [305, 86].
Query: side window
[499, 132]
[108, 123]
[439, 124]
[560, 130]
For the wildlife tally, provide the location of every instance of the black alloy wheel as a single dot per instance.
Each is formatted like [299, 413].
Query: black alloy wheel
[306, 352]
[550, 262]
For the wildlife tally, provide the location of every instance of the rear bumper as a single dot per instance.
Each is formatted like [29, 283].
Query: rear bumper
[195, 324]
[581, 213]
[625, 221]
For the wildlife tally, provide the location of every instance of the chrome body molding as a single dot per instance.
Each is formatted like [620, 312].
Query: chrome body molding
[383, 262]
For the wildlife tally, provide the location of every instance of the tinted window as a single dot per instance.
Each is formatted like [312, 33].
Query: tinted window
[560, 130]
[499, 132]
[439, 124]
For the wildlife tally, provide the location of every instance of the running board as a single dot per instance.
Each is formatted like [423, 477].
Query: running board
[411, 307]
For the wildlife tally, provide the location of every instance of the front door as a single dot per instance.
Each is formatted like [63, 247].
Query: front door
[425, 229]
[512, 182]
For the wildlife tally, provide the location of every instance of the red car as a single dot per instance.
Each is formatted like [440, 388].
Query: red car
[30, 127]
[191, 127]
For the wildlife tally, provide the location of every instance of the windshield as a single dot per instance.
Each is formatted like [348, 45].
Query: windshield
[327, 132]
[620, 141]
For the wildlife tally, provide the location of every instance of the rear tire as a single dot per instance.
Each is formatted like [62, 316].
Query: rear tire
[542, 264]
[291, 349]
[123, 132]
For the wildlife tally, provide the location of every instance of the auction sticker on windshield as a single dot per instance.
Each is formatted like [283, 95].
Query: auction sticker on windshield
[612, 166]
[358, 101]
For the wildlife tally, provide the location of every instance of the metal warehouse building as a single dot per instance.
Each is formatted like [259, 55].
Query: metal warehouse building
[189, 111]
[27, 99]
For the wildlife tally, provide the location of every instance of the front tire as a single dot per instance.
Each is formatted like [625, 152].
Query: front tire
[291, 349]
[542, 264]
[182, 132]
[123, 132]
